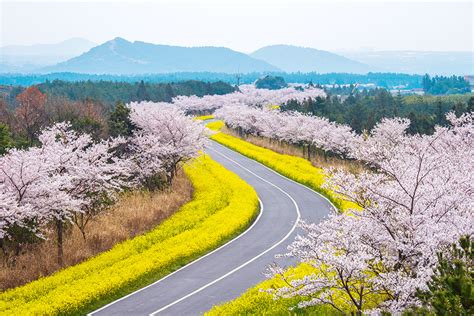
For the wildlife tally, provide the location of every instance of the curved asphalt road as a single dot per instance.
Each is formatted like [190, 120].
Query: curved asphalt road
[227, 272]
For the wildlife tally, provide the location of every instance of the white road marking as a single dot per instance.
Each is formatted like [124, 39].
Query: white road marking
[254, 258]
[186, 266]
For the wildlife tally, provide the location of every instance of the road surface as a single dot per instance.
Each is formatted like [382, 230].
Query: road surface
[227, 272]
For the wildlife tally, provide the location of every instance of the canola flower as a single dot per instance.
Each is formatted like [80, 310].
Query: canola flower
[223, 205]
[203, 117]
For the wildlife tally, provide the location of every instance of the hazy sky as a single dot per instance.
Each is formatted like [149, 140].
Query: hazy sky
[246, 25]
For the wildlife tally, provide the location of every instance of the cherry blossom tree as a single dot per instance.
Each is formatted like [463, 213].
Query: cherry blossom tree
[295, 128]
[93, 172]
[247, 95]
[69, 178]
[416, 200]
[27, 194]
[166, 137]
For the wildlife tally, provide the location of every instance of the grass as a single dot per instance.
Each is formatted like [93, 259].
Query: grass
[135, 213]
[223, 206]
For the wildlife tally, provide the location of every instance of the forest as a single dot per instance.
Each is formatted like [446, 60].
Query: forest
[362, 110]
[379, 79]
[90, 107]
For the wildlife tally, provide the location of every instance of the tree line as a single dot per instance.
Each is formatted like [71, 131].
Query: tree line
[445, 85]
[362, 110]
[95, 108]
[380, 79]
[110, 92]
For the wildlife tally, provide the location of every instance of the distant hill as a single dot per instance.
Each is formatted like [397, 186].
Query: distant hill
[293, 59]
[120, 56]
[23, 58]
[418, 62]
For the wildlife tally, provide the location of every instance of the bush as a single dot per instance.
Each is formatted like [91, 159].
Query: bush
[223, 205]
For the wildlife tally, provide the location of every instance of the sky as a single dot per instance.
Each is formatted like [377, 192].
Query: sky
[246, 25]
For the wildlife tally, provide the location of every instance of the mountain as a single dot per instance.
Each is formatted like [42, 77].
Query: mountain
[293, 59]
[120, 56]
[26, 58]
[418, 62]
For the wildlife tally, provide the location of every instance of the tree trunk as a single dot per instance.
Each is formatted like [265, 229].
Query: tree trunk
[59, 230]
[309, 152]
[83, 232]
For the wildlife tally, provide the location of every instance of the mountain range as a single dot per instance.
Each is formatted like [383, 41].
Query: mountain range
[119, 56]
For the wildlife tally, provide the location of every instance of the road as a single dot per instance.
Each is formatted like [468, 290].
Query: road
[227, 272]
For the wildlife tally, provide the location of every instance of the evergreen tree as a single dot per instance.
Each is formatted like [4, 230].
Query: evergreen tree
[119, 121]
[458, 108]
[470, 105]
[440, 114]
[169, 93]
[5, 141]
[426, 83]
[398, 104]
[142, 93]
[451, 290]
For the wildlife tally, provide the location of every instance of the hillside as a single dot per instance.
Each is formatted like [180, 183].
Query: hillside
[293, 59]
[120, 56]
